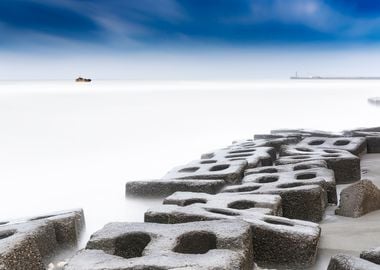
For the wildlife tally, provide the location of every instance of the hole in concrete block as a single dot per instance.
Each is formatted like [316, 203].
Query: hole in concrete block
[269, 170]
[330, 151]
[195, 200]
[222, 212]
[241, 205]
[131, 245]
[3, 222]
[238, 155]
[242, 151]
[290, 185]
[189, 170]
[304, 149]
[299, 157]
[317, 142]
[208, 161]
[278, 222]
[267, 179]
[195, 243]
[219, 167]
[305, 176]
[245, 189]
[330, 156]
[236, 159]
[341, 142]
[6, 234]
[301, 167]
[41, 217]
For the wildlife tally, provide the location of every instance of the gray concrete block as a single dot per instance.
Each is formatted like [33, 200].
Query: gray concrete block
[309, 170]
[372, 255]
[345, 262]
[229, 171]
[166, 187]
[26, 243]
[372, 137]
[354, 145]
[212, 245]
[277, 241]
[255, 156]
[308, 132]
[359, 199]
[345, 165]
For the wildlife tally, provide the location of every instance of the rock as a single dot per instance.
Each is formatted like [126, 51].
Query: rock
[212, 245]
[372, 255]
[303, 192]
[354, 145]
[344, 262]
[345, 165]
[277, 241]
[359, 199]
[166, 187]
[309, 170]
[255, 156]
[25, 243]
[229, 171]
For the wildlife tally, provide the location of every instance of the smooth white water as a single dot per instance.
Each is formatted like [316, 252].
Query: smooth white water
[67, 145]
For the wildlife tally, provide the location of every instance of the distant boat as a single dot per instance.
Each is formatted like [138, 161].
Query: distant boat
[80, 79]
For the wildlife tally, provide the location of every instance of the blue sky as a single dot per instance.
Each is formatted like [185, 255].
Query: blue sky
[127, 24]
[188, 38]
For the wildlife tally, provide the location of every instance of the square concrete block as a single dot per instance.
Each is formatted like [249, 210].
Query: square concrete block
[212, 245]
[345, 262]
[25, 243]
[166, 187]
[354, 145]
[345, 165]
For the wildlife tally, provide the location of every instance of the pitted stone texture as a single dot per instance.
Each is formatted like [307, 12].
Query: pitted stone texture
[289, 138]
[212, 245]
[312, 170]
[345, 262]
[229, 171]
[26, 243]
[372, 255]
[277, 241]
[345, 165]
[166, 187]
[354, 145]
[302, 197]
[308, 133]
[359, 199]
[267, 204]
[372, 137]
[276, 143]
[255, 156]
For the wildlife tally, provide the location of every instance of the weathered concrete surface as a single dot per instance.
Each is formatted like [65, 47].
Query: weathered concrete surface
[230, 171]
[308, 132]
[354, 145]
[166, 187]
[26, 243]
[343, 235]
[269, 204]
[277, 241]
[276, 143]
[345, 262]
[255, 156]
[345, 165]
[310, 171]
[223, 244]
[372, 255]
[359, 199]
[372, 137]
[304, 195]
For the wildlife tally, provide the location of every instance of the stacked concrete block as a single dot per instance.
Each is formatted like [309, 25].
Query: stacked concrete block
[354, 145]
[372, 138]
[372, 255]
[276, 143]
[309, 170]
[307, 133]
[277, 241]
[345, 165]
[303, 192]
[165, 187]
[254, 156]
[345, 262]
[213, 245]
[359, 199]
[26, 243]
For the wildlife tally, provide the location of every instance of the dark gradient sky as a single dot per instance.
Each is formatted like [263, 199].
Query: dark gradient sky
[128, 24]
